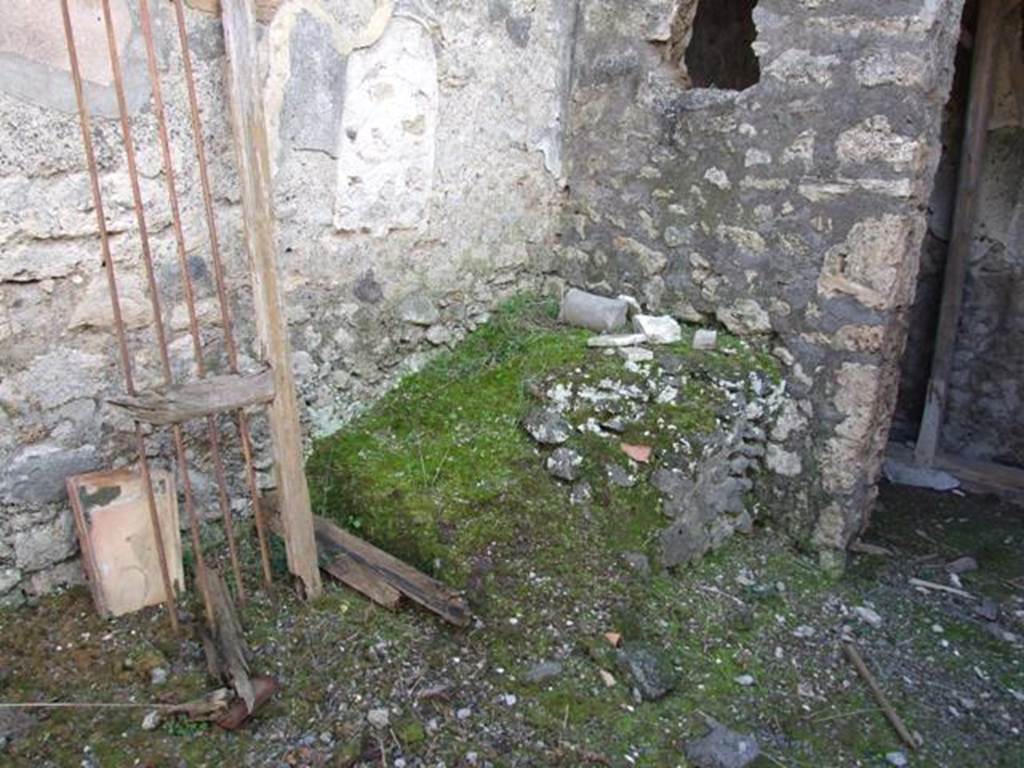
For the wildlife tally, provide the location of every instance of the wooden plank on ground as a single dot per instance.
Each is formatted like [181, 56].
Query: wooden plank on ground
[195, 400]
[984, 476]
[253, 156]
[972, 159]
[417, 586]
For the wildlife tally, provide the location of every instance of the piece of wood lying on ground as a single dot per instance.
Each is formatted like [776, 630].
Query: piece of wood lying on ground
[119, 551]
[876, 690]
[198, 399]
[252, 151]
[417, 586]
[984, 476]
[379, 567]
[931, 585]
[866, 548]
[227, 653]
[239, 711]
[343, 568]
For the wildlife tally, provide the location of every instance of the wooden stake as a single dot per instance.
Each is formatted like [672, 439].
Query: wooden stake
[253, 156]
[883, 701]
[979, 112]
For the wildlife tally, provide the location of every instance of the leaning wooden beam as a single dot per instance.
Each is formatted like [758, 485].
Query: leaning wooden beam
[979, 112]
[253, 155]
[195, 400]
[227, 654]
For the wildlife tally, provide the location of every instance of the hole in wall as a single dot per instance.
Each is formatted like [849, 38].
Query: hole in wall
[712, 43]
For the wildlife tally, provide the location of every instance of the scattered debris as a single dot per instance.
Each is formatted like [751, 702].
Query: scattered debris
[547, 426]
[619, 477]
[379, 718]
[614, 639]
[705, 340]
[239, 712]
[865, 548]
[658, 329]
[722, 747]
[545, 670]
[638, 453]
[636, 354]
[988, 610]
[597, 313]
[868, 616]
[883, 701]
[931, 585]
[152, 720]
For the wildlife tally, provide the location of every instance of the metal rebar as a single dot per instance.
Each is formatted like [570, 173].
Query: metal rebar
[122, 343]
[218, 272]
[197, 343]
[154, 298]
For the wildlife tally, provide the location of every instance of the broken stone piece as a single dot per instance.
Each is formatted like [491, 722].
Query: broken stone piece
[587, 310]
[638, 453]
[418, 310]
[705, 340]
[547, 426]
[658, 329]
[564, 464]
[581, 493]
[636, 354]
[722, 748]
[620, 477]
[962, 565]
[378, 718]
[545, 670]
[652, 676]
[868, 616]
[606, 341]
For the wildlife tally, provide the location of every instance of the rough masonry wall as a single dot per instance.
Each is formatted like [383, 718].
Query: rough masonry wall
[418, 172]
[792, 208]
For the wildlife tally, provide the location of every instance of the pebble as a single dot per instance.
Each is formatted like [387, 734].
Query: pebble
[705, 340]
[464, 713]
[745, 680]
[896, 758]
[151, 721]
[868, 616]
[636, 354]
[158, 676]
[378, 718]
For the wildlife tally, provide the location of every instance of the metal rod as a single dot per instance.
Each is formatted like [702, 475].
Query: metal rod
[218, 272]
[154, 298]
[122, 343]
[179, 234]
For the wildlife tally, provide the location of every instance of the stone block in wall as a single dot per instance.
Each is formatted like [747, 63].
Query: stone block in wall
[868, 265]
[36, 473]
[43, 538]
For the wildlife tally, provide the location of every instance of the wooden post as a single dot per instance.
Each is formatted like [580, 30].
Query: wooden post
[979, 112]
[253, 155]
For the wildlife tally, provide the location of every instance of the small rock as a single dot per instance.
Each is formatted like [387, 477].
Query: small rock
[545, 670]
[896, 758]
[464, 713]
[962, 565]
[638, 453]
[438, 335]
[803, 632]
[636, 354]
[617, 340]
[618, 426]
[658, 329]
[607, 678]
[651, 674]
[619, 477]
[418, 310]
[378, 718]
[638, 563]
[547, 426]
[722, 748]
[988, 610]
[868, 616]
[565, 464]
[151, 721]
[705, 340]
[745, 680]
[158, 676]
[581, 493]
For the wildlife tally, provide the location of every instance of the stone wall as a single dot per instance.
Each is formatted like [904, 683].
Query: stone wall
[791, 208]
[418, 172]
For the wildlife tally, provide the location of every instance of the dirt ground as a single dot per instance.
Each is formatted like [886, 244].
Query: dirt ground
[749, 636]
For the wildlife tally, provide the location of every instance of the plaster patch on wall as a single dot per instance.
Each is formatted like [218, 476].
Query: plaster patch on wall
[386, 146]
[867, 265]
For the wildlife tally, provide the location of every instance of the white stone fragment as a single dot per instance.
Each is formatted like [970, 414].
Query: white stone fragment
[659, 329]
[616, 340]
[636, 354]
[705, 339]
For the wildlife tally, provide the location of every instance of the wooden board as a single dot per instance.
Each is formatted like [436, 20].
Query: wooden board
[119, 554]
[253, 156]
[972, 158]
[195, 400]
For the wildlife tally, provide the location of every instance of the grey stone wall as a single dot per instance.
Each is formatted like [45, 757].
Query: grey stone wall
[418, 173]
[792, 208]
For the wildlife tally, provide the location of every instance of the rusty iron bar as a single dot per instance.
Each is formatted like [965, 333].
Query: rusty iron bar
[154, 298]
[230, 348]
[122, 343]
[213, 433]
